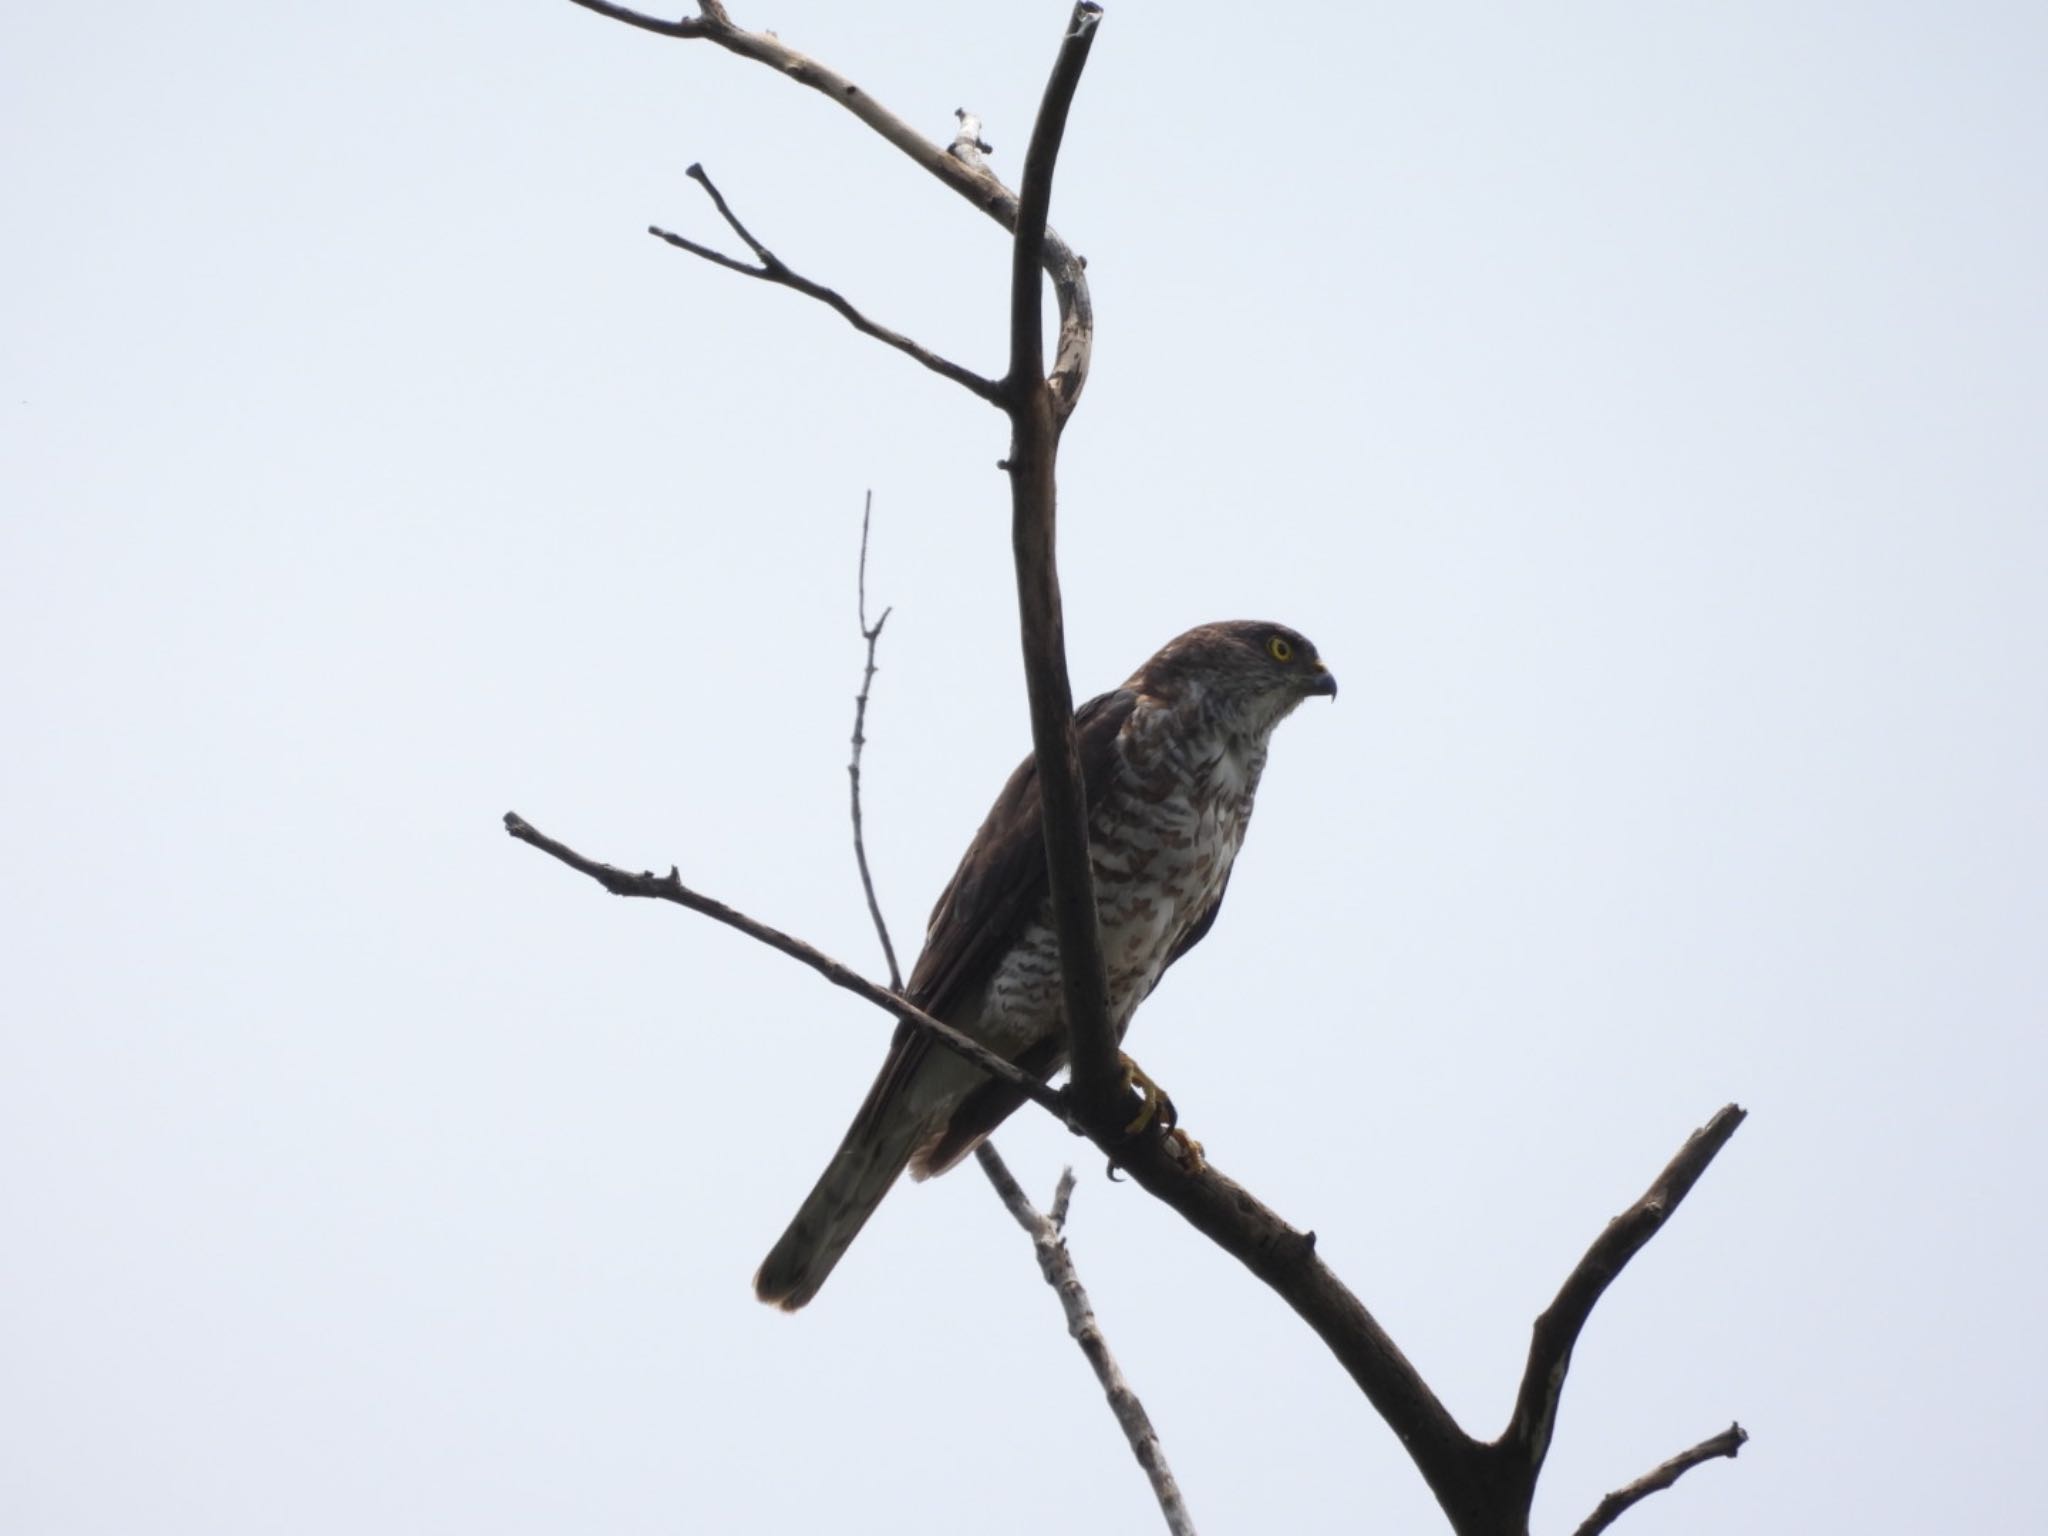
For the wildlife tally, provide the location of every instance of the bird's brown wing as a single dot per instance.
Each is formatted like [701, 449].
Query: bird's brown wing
[989, 1105]
[991, 899]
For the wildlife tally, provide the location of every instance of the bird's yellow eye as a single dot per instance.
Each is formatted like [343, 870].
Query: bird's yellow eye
[1279, 649]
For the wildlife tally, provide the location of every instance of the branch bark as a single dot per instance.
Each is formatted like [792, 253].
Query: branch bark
[1608, 1510]
[774, 270]
[670, 887]
[1034, 447]
[966, 175]
[872, 634]
[1529, 1431]
[1285, 1258]
[1049, 1242]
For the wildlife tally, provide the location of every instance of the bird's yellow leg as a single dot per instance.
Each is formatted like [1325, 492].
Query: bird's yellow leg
[1155, 1106]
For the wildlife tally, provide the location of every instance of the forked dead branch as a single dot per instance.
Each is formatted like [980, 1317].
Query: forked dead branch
[1484, 1487]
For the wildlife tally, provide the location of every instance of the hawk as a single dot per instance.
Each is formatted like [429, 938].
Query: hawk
[1169, 763]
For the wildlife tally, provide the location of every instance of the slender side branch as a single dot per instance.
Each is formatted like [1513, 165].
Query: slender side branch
[1097, 1083]
[1057, 1265]
[873, 635]
[698, 27]
[1557, 1330]
[1608, 1510]
[670, 887]
[774, 270]
[966, 175]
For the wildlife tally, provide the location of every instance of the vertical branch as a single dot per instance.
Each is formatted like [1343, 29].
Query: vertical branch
[873, 635]
[1034, 201]
[1034, 448]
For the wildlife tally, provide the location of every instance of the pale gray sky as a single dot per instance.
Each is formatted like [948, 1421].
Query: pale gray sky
[1642, 407]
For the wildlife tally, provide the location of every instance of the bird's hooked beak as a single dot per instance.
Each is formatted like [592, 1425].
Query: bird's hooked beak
[1324, 682]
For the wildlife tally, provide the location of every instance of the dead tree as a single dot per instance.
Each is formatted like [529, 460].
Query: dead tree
[1485, 1487]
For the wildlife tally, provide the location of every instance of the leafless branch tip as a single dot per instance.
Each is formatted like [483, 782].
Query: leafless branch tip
[773, 269]
[1608, 1510]
[872, 634]
[670, 888]
[1557, 1331]
[1056, 1263]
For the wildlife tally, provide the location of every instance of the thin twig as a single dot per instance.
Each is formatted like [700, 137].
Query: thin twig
[873, 636]
[1556, 1332]
[774, 270]
[1726, 1443]
[968, 176]
[670, 887]
[1057, 1265]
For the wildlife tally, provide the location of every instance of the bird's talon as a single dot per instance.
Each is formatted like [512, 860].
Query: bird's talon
[1186, 1150]
[1154, 1105]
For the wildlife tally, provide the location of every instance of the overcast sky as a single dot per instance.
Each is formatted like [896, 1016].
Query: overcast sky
[1641, 406]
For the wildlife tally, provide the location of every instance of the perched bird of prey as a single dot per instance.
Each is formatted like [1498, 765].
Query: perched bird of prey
[1170, 762]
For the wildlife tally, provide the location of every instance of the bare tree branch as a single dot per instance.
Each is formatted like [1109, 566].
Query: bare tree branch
[1097, 1084]
[873, 636]
[1550, 1347]
[1034, 200]
[1609, 1509]
[1285, 1258]
[774, 270]
[1057, 1265]
[1062, 1197]
[670, 887]
[685, 28]
[971, 178]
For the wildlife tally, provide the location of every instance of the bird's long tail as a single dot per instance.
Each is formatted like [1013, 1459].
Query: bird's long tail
[838, 1206]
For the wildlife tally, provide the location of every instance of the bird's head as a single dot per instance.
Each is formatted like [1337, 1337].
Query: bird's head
[1251, 672]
